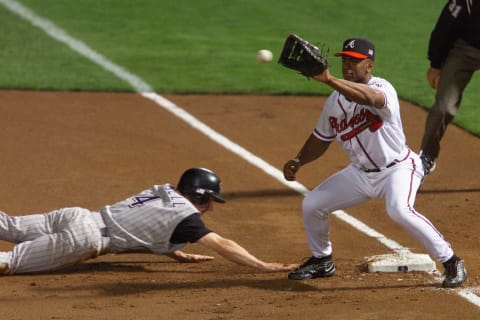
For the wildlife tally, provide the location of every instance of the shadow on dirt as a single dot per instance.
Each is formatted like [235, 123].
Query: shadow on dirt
[278, 285]
[268, 193]
[435, 191]
[260, 193]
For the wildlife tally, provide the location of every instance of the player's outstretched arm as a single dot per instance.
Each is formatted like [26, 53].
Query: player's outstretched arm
[188, 257]
[357, 91]
[311, 150]
[232, 251]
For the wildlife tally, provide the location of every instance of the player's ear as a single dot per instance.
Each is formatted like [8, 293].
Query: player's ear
[369, 65]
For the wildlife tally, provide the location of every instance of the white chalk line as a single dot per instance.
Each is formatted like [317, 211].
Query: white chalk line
[144, 89]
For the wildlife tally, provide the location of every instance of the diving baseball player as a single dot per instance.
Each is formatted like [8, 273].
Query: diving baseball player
[160, 220]
[363, 116]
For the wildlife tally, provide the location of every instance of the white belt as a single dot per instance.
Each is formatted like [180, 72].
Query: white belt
[103, 230]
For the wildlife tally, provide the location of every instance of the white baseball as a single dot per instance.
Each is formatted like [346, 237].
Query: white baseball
[264, 55]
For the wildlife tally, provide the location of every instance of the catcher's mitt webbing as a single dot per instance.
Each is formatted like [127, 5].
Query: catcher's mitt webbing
[300, 55]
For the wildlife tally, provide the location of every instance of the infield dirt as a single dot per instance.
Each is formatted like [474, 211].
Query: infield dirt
[62, 149]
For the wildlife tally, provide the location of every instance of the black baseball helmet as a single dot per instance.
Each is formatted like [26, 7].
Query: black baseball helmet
[199, 184]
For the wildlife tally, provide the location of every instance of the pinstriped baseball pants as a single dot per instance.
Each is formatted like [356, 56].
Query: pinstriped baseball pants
[50, 241]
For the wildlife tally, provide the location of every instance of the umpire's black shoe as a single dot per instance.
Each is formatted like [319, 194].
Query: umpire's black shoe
[314, 268]
[455, 272]
[428, 163]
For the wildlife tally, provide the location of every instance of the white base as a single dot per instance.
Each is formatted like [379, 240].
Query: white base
[400, 262]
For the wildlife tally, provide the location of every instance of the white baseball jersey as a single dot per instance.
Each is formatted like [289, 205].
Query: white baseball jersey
[382, 167]
[146, 221]
[372, 137]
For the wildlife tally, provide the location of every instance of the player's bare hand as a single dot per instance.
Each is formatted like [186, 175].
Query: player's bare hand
[433, 77]
[276, 267]
[290, 169]
[189, 257]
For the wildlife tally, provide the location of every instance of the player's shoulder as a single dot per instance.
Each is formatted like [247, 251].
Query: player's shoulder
[166, 191]
[381, 84]
[333, 97]
[378, 81]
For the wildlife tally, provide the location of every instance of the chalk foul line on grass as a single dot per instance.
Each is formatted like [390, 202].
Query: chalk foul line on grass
[76, 45]
[144, 89]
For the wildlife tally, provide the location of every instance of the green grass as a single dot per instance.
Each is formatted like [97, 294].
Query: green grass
[209, 46]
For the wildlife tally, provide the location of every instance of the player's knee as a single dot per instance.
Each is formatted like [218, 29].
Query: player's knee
[311, 206]
[397, 211]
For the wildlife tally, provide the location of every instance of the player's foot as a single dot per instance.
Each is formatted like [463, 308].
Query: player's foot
[429, 165]
[455, 272]
[314, 268]
[3, 267]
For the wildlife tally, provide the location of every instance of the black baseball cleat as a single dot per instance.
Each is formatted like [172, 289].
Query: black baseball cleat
[314, 268]
[455, 272]
[429, 165]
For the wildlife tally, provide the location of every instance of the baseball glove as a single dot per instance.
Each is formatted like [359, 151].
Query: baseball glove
[302, 56]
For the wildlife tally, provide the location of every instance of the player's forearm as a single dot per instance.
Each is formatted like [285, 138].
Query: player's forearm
[230, 250]
[311, 150]
[358, 92]
[235, 253]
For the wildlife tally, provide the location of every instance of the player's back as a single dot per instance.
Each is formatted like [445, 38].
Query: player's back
[146, 221]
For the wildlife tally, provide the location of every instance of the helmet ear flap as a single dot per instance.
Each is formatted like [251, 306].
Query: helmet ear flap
[199, 184]
[199, 197]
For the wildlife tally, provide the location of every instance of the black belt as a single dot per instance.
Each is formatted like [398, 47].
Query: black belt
[378, 169]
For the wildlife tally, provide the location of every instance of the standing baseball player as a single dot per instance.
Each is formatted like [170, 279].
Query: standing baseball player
[363, 116]
[454, 54]
[160, 220]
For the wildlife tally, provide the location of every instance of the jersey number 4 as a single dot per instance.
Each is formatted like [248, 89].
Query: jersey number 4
[140, 201]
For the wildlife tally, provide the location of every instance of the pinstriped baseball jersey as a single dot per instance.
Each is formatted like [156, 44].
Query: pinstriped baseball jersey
[146, 221]
[372, 137]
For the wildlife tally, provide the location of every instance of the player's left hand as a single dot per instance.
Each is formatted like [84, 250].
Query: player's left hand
[324, 77]
[189, 257]
[302, 56]
[276, 267]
